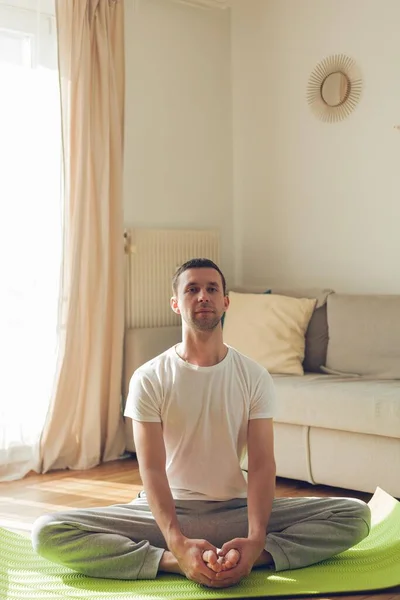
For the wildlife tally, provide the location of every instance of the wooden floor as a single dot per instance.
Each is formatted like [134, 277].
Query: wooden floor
[112, 483]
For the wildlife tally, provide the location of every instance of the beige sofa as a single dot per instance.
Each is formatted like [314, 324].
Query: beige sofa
[339, 423]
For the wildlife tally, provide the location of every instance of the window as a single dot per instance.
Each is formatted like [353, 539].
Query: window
[30, 229]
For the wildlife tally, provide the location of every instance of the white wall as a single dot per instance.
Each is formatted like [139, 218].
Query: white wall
[178, 157]
[315, 203]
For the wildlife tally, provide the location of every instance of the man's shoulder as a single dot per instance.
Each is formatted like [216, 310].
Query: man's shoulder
[157, 364]
[242, 361]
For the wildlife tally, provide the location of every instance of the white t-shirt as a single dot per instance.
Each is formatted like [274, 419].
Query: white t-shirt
[204, 413]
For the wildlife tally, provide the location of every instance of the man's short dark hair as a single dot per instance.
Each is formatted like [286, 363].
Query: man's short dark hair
[197, 263]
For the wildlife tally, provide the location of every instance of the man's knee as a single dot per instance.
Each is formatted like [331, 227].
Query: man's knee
[359, 509]
[360, 515]
[43, 534]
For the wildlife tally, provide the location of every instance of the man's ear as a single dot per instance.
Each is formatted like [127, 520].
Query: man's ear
[226, 302]
[174, 305]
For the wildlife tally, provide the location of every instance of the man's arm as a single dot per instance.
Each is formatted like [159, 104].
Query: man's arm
[261, 477]
[260, 496]
[150, 450]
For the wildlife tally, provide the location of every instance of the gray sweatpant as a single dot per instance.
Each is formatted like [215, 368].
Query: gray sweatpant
[123, 541]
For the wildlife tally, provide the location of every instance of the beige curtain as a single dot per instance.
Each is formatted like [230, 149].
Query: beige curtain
[84, 423]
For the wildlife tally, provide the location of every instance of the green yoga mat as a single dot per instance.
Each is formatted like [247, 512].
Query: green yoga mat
[371, 565]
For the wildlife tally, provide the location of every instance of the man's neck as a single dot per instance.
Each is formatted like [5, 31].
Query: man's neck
[204, 349]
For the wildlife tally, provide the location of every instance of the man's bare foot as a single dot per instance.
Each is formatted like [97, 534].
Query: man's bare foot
[211, 560]
[169, 564]
[221, 563]
[231, 559]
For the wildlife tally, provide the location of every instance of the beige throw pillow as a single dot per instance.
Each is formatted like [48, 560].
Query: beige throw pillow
[317, 336]
[270, 329]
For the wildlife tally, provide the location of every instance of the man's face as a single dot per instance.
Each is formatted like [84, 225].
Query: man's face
[200, 298]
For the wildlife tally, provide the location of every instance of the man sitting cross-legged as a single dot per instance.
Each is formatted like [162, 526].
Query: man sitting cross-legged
[197, 409]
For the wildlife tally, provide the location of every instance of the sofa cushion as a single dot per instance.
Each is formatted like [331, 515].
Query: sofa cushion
[269, 329]
[364, 335]
[358, 404]
[317, 331]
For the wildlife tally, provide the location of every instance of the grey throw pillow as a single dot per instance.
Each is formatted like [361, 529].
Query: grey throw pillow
[364, 335]
[317, 336]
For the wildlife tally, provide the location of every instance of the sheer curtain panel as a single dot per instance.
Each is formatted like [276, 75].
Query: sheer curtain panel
[84, 425]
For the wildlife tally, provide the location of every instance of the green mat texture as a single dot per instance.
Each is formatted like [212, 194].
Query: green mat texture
[371, 565]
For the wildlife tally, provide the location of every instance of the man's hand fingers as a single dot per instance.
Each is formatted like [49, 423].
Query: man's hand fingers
[225, 578]
[229, 545]
[229, 573]
[226, 582]
[206, 571]
[231, 576]
[201, 577]
[205, 581]
[201, 580]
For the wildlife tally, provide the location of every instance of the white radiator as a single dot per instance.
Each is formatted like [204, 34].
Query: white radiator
[152, 257]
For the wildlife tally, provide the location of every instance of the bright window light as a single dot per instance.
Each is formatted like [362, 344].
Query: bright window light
[30, 231]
